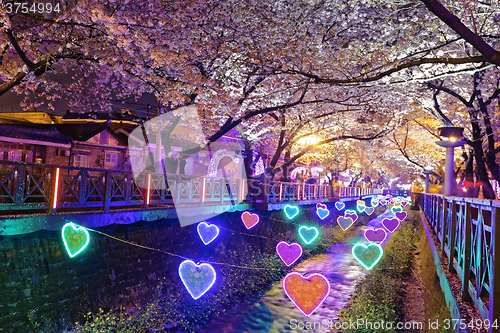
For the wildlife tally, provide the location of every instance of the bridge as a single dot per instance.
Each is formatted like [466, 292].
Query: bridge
[36, 196]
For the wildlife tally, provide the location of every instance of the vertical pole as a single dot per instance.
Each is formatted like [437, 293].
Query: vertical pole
[20, 182]
[478, 250]
[203, 187]
[55, 189]
[148, 191]
[281, 191]
[449, 174]
[453, 227]
[427, 182]
[494, 296]
[444, 224]
[107, 193]
[158, 149]
[128, 187]
[466, 234]
[83, 186]
[266, 193]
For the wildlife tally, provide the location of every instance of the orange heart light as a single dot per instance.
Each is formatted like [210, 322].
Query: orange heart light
[307, 293]
[250, 220]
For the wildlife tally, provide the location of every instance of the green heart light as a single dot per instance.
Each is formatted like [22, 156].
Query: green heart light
[75, 238]
[308, 234]
[367, 255]
[291, 211]
[396, 209]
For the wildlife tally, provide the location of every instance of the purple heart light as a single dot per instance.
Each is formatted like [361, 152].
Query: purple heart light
[390, 224]
[289, 253]
[352, 214]
[375, 235]
[401, 215]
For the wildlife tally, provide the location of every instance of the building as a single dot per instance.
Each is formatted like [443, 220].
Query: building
[40, 144]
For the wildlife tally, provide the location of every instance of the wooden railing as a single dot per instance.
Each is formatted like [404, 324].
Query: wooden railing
[466, 230]
[49, 187]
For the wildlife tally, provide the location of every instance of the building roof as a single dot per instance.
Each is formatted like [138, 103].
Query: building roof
[50, 134]
[83, 131]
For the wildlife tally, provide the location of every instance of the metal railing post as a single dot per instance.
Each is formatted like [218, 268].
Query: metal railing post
[107, 193]
[453, 227]
[443, 224]
[83, 186]
[54, 190]
[128, 187]
[494, 295]
[466, 233]
[20, 183]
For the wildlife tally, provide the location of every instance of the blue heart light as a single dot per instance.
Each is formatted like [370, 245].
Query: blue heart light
[339, 205]
[197, 279]
[322, 213]
[207, 232]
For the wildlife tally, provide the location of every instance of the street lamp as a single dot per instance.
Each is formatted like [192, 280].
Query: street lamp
[450, 139]
[427, 171]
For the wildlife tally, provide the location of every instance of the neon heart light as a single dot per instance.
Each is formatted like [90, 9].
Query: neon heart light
[396, 209]
[75, 238]
[374, 202]
[308, 234]
[307, 293]
[369, 210]
[344, 222]
[360, 202]
[367, 255]
[401, 215]
[319, 204]
[339, 205]
[249, 220]
[390, 224]
[289, 253]
[375, 235]
[322, 213]
[197, 279]
[291, 211]
[361, 208]
[352, 214]
[207, 232]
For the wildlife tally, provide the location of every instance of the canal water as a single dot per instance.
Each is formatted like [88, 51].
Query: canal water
[274, 311]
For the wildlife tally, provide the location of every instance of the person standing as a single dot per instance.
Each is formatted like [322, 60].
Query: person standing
[170, 164]
[182, 164]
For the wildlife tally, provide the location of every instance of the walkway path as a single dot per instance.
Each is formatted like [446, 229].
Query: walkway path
[274, 312]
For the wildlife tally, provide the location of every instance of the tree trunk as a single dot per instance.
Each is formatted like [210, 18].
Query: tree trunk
[472, 190]
[488, 192]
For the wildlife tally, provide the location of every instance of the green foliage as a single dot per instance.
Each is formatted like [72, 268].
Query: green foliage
[376, 296]
[151, 318]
